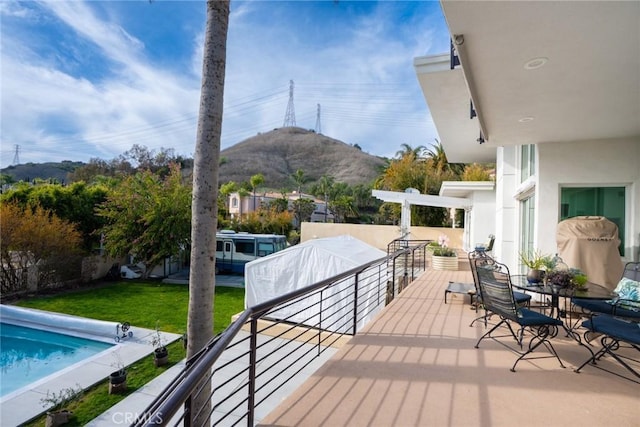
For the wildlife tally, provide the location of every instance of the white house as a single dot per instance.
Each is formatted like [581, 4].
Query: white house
[550, 92]
[242, 205]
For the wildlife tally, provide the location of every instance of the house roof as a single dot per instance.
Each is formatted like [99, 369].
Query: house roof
[537, 72]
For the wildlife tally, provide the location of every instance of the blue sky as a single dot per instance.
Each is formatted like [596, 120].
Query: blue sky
[85, 79]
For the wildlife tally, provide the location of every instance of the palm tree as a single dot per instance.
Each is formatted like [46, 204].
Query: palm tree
[325, 184]
[204, 213]
[255, 181]
[408, 150]
[299, 179]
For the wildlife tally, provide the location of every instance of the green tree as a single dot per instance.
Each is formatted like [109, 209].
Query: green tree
[35, 237]
[409, 151]
[255, 181]
[299, 179]
[148, 217]
[205, 187]
[343, 207]
[302, 210]
[74, 203]
[224, 193]
[323, 189]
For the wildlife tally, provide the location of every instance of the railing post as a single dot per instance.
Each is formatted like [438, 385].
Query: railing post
[355, 305]
[320, 324]
[253, 348]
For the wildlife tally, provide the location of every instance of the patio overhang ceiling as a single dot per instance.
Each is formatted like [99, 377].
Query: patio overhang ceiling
[537, 72]
[422, 199]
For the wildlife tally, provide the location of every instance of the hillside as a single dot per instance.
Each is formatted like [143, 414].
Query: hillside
[276, 154]
[279, 153]
[51, 170]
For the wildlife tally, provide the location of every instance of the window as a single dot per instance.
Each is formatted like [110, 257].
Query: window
[247, 248]
[265, 248]
[527, 218]
[218, 245]
[608, 202]
[527, 162]
[234, 202]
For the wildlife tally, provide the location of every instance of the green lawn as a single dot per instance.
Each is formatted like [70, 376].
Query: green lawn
[141, 304]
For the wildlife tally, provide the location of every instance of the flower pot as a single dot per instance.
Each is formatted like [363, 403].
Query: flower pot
[58, 418]
[160, 356]
[118, 382]
[535, 276]
[444, 262]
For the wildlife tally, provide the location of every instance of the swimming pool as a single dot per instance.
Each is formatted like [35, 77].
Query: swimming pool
[28, 355]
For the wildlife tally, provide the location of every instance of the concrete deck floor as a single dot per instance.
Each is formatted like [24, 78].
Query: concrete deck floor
[416, 365]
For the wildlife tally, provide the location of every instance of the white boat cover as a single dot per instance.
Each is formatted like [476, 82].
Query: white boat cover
[310, 262]
[590, 243]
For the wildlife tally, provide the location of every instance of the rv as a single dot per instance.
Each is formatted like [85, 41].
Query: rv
[234, 250]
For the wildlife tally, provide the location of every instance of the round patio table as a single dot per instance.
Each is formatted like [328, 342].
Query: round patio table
[591, 291]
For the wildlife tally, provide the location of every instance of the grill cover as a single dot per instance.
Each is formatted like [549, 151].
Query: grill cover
[590, 243]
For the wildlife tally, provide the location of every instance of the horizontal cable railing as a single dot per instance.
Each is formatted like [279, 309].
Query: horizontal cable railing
[272, 342]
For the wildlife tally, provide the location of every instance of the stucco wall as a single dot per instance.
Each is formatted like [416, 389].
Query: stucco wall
[378, 236]
[605, 162]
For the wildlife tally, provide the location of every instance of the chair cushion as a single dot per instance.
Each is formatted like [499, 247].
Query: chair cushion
[614, 327]
[521, 297]
[608, 307]
[528, 317]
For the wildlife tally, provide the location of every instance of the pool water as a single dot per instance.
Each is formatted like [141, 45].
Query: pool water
[28, 355]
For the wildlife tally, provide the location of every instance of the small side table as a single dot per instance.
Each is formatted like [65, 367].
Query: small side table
[460, 288]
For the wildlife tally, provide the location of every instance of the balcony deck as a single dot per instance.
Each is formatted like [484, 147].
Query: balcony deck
[416, 365]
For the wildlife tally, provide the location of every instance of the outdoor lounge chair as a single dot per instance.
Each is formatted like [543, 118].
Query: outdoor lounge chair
[616, 334]
[497, 296]
[626, 306]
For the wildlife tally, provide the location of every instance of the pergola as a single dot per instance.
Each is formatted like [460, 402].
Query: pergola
[411, 196]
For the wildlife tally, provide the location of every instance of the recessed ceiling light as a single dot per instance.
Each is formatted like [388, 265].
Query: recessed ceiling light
[534, 63]
[525, 119]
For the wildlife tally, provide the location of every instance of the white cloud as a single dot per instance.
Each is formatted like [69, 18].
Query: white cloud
[361, 74]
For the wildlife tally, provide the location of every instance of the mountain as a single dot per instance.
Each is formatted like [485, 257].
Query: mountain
[56, 171]
[276, 154]
[279, 153]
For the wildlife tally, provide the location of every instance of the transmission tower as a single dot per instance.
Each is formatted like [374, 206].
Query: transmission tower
[16, 155]
[318, 126]
[290, 115]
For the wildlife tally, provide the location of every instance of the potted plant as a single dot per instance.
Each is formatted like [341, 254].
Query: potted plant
[160, 352]
[442, 256]
[537, 263]
[118, 378]
[58, 414]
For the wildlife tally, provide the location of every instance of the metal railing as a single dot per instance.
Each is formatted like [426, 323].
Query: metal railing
[270, 343]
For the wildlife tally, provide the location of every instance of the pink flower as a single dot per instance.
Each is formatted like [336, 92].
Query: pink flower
[443, 240]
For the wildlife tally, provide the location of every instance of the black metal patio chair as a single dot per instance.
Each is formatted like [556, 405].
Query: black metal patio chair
[497, 296]
[620, 307]
[616, 334]
[522, 299]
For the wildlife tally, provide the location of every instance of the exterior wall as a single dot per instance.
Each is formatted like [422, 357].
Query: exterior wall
[593, 163]
[506, 214]
[378, 236]
[483, 215]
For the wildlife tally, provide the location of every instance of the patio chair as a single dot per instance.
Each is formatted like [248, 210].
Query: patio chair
[616, 334]
[521, 298]
[497, 296]
[627, 305]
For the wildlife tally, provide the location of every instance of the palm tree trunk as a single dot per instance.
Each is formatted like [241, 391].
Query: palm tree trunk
[204, 215]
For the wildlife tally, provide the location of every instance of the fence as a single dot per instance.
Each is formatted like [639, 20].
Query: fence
[270, 343]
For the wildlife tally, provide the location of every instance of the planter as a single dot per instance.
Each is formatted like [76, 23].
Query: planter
[535, 276]
[160, 356]
[118, 382]
[444, 262]
[58, 418]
